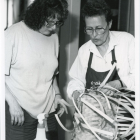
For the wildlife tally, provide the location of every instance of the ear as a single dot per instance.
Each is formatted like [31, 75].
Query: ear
[110, 24]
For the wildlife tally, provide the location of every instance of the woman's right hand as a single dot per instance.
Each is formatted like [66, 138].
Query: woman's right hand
[76, 94]
[16, 112]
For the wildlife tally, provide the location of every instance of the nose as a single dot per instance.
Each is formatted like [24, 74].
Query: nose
[94, 34]
[54, 27]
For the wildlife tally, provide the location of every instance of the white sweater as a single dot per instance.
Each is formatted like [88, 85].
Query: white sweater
[30, 63]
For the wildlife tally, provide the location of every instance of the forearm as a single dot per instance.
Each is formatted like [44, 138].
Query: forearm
[8, 95]
[117, 84]
[74, 85]
[77, 74]
[60, 104]
[55, 85]
[16, 112]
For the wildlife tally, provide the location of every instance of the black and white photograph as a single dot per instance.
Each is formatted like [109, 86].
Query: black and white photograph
[69, 70]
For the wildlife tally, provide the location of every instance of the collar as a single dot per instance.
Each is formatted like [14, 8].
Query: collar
[112, 43]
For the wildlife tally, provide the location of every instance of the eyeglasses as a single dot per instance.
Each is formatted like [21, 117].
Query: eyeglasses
[52, 23]
[98, 30]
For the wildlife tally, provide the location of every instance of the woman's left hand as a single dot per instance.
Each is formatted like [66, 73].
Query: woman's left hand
[115, 84]
[62, 105]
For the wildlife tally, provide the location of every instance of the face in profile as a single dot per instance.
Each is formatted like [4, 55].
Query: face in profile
[51, 26]
[98, 29]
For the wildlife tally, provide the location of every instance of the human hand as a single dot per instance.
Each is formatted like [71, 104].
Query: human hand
[76, 94]
[110, 91]
[110, 88]
[115, 84]
[62, 105]
[106, 91]
[16, 112]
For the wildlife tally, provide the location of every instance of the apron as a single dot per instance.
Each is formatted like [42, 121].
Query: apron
[94, 78]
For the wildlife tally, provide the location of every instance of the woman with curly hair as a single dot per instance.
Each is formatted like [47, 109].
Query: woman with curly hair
[31, 88]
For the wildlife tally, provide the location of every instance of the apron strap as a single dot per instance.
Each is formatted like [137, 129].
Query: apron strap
[112, 62]
[90, 59]
[113, 57]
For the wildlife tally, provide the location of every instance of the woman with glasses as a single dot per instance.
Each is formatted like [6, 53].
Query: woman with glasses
[31, 48]
[96, 57]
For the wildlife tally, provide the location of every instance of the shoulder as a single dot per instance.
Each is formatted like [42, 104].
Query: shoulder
[124, 36]
[85, 47]
[84, 51]
[54, 40]
[54, 37]
[14, 30]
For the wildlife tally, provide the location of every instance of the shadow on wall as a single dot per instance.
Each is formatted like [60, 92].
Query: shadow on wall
[68, 35]
[68, 41]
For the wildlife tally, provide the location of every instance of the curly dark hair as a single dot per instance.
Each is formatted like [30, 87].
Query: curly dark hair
[38, 12]
[97, 7]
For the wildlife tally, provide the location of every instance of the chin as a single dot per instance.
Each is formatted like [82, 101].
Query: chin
[97, 43]
[47, 34]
